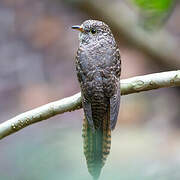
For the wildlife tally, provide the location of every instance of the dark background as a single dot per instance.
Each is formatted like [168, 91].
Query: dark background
[37, 66]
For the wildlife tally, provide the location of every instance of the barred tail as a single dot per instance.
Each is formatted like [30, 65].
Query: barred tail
[97, 144]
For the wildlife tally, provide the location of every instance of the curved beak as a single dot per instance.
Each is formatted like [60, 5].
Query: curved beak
[77, 27]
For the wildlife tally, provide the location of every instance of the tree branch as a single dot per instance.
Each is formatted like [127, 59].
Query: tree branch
[128, 86]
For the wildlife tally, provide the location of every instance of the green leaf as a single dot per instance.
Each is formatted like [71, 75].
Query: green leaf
[153, 12]
[157, 5]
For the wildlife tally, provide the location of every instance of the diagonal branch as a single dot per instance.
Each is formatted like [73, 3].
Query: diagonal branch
[128, 86]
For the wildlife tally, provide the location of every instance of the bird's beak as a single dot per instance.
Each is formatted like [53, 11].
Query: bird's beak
[77, 27]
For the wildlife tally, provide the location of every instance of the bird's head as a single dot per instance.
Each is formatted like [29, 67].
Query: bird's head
[92, 31]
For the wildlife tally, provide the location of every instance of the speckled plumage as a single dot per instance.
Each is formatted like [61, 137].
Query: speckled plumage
[98, 67]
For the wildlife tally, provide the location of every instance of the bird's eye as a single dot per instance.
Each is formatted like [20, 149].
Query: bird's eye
[93, 31]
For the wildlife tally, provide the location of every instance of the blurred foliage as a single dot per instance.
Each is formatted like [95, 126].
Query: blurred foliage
[156, 5]
[154, 12]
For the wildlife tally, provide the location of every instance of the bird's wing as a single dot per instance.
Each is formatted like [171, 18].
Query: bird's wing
[114, 106]
[82, 77]
[88, 112]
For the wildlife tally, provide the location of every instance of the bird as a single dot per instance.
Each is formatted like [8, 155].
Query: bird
[98, 68]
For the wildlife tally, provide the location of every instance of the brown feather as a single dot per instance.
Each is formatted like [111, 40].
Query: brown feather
[97, 144]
